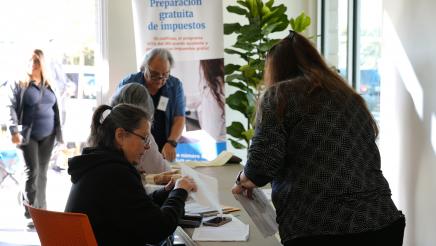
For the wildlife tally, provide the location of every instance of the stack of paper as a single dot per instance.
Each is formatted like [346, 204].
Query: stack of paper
[235, 230]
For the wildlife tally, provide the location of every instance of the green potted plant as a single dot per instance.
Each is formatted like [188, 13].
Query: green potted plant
[252, 43]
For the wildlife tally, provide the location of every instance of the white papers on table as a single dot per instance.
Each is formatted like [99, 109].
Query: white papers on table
[260, 211]
[207, 189]
[235, 230]
[195, 208]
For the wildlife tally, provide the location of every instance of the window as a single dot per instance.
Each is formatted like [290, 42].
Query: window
[352, 43]
[68, 33]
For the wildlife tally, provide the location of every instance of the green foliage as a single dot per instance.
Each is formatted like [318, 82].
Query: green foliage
[252, 44]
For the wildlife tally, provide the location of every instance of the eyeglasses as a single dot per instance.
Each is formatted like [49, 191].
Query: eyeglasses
[156, 76]
[145, 140]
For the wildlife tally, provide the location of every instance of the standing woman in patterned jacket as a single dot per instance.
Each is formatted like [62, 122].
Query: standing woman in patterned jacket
[315, 142]
[34, 126]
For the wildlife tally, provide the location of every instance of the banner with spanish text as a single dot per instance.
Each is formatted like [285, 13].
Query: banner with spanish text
[193, 31]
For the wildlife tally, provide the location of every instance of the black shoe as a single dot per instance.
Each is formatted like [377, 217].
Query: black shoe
[29, 224]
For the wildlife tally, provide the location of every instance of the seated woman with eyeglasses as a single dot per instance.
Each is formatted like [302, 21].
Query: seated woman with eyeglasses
[152, 162]
[108, 188]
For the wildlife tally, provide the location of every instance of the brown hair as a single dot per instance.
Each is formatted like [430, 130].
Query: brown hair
[296, 56]
[213, 72]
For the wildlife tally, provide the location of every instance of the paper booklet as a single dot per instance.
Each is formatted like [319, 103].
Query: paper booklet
[260, 211]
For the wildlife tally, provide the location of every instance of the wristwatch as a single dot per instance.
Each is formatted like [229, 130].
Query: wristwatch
[172, 142]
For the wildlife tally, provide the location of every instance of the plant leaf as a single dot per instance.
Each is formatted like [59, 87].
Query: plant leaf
[248, 134]
[238, 101]
[269, 28]
[232, 51]
[236, 129]
[230, 68]
[267, 46]
[239, 85]
[243, 3]
[244, 45]
[300, 23]
[237, 10]
[236, 144]
[231, 28]
[270, 3]
[247, 71]
[234, 76]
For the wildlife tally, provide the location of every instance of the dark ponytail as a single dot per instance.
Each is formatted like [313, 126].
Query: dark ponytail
[107, 119]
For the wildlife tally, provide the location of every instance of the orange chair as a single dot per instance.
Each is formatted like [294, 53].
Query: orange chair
[62, 228]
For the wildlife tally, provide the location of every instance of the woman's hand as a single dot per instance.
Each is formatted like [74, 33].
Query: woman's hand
[16, 138]
[170, 185]
[187, 183]
[243, 186]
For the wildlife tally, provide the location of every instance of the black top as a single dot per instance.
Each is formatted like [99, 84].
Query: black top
[323, 163]
[158, 127]
[109, 190]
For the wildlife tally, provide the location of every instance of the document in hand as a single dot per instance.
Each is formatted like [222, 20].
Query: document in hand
[260, 211]
[207, 189]
[235, 230]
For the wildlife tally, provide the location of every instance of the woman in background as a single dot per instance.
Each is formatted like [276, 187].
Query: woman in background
[211, 107]
[315, 142]
[108, 188]
[34, 109]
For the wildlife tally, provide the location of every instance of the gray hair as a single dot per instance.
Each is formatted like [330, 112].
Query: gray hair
[136, 94]
[160, 52]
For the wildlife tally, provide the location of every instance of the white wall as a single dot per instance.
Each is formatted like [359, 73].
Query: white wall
[121, 46]
[408, 114]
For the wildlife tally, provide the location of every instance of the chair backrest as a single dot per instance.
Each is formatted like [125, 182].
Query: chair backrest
[62, 228]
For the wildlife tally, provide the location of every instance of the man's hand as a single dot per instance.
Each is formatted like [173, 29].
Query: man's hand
[169, 152]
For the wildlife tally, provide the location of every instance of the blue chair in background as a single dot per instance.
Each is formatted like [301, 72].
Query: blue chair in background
[9, 163]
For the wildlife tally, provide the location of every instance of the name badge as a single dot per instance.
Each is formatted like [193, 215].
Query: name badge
[163, 102]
